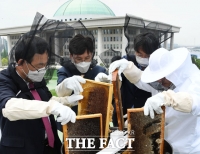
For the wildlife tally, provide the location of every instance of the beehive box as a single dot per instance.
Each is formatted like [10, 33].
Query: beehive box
[118, 100]
[148, 133]
[97, 99]
[86, 126]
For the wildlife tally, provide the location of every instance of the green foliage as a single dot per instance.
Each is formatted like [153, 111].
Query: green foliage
[53, 92]
[4, 58]
[51, 74]
[4, 61]
[4, 54]
[196, 62]
[101, 64]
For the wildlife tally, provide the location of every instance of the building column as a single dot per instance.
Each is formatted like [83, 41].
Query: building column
[56, 45]
[99, 44]
[0, 60]
[165, 43]
[9, 44]
[137, 31]
[124, 43]
[75, 32]
[172, 41]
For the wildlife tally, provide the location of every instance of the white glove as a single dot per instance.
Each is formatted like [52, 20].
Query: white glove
[73, 83]
[119, 139]
[102, 77]
[116, 135]
[64, 113]
[73, 99]
[125, 116]
[68, 100]
[126, 122]
[121, 65]
[154, 103]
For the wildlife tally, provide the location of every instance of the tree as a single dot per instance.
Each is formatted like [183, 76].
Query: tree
[196, 62]
[4, 54]
[4, 62]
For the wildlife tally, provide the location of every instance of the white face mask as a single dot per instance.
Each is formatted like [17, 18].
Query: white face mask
[36, 76]
[83, 66]
[144, 62]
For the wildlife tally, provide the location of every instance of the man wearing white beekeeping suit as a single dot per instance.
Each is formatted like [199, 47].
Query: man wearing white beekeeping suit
[182, 123]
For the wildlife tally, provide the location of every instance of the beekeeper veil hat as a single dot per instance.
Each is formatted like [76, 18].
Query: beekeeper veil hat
[163, 62]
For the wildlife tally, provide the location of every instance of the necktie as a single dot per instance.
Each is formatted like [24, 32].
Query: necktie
[45, 120]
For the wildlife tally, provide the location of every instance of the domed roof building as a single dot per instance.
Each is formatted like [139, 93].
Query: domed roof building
[83, 9]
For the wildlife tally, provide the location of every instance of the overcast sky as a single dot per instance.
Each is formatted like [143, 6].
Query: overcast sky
[182, 13]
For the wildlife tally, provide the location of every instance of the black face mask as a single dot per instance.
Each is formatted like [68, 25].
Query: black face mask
[158, 86]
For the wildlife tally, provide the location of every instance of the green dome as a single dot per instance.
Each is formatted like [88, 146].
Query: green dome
[84, 7]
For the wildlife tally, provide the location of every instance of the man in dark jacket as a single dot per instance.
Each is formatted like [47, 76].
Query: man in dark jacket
[27, 106]
[81, 65]
[132, 97]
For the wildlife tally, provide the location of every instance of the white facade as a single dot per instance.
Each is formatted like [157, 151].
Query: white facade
[108, 32]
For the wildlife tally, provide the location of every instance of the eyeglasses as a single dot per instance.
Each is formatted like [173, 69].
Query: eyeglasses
[38, 69]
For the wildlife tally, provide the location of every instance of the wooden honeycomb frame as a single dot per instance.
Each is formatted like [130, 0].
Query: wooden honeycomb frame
[118, 100]
[149, 130]
[86, 106]
[78, 120]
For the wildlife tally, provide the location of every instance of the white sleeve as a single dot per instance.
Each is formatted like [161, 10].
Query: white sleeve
[21, 109]
[194, 91]
[146, 87]
[196, 104]
[180, 101]
[133, 74]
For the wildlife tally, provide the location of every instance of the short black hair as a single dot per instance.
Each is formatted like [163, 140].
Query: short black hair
[37, 45]
[115, 58]
[79, 44]
[148, 42]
